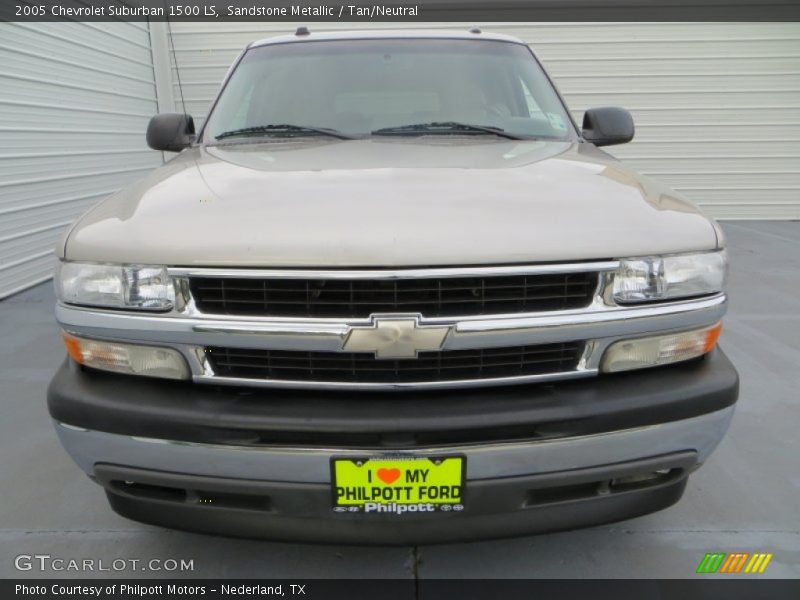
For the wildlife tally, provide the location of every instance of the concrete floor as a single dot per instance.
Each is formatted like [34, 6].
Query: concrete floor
[746, 498]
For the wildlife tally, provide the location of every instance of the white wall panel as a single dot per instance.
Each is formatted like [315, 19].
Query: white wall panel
[75, 99]
[716, 105]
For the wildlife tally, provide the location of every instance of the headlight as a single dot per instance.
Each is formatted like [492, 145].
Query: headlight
[656, 278]
[132, 359]
[659, 350]
[115, 286]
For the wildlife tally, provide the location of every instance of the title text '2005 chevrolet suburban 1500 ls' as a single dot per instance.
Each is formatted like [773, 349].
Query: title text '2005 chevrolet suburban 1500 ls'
[390, 293]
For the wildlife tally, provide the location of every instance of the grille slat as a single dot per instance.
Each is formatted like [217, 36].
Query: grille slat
[391, 292]
[359, 358]
[394, 304]
[519, 364]
[355, 298]
[345, 367]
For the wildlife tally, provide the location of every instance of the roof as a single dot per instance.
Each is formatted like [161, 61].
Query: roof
[387, 34]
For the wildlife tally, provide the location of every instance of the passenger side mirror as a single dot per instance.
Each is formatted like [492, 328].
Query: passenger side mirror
[171, 132]
[607, 125]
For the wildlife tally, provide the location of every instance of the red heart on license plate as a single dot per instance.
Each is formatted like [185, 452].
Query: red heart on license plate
[388, 476]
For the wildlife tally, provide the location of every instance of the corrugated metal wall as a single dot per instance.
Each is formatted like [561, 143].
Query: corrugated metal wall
[75, 99]
[717, 105]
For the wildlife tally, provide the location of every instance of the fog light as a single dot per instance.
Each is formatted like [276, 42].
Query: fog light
[131, 359]
[660, 350]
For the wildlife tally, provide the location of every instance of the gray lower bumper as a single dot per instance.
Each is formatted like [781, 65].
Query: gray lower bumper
[487, 461]
[285, 493]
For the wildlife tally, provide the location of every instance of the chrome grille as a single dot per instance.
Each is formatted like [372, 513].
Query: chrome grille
[285, 352]
[356, 368]
[356, 298]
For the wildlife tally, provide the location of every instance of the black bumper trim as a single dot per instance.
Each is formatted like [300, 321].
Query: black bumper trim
[495, 508]
[183, 411]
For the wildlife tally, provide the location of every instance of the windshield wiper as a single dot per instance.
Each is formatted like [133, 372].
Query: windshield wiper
[279, 129]
[444, 127]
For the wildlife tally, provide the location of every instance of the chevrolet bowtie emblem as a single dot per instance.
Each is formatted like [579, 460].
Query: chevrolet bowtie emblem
[396, 337]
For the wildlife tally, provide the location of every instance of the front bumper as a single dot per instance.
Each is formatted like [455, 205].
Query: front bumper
[559, 456]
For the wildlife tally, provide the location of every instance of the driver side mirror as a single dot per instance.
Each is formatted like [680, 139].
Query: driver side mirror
[607, 125]
[170, 132]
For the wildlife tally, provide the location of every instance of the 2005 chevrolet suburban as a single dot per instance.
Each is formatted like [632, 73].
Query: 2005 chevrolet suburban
[390, 293]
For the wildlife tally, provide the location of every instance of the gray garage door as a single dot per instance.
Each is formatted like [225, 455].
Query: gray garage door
[75, 99]
[717, 105]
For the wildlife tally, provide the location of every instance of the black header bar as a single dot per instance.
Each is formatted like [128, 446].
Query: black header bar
[735, 588]
[410, 11]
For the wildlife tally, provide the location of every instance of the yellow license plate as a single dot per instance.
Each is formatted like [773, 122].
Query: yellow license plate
[398, 485]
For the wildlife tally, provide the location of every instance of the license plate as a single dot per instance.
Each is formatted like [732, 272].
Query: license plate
[398, 485]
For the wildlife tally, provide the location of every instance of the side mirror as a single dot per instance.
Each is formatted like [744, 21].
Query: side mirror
[171, 132]
[607, 125]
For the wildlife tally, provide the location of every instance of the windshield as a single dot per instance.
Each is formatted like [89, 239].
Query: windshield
[357, 87]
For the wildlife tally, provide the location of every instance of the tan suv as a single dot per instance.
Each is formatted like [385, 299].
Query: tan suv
[391, 293]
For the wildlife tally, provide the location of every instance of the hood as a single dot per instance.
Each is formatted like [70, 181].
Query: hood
[428, 201]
